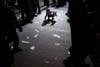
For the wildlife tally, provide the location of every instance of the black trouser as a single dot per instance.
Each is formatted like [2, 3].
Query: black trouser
[33, 8]
[61, 2]
[13, 37]
[25, 9]
[54, 1]
[46, 3]
[38, 6]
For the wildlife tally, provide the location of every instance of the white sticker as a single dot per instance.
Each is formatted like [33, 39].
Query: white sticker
[68, 52]
[55, 58]
[57, 44]
[37, 30]
[36, 35]
[32, 48]
[27, 37]
[57, 36]
[25, 42]
[47, 62]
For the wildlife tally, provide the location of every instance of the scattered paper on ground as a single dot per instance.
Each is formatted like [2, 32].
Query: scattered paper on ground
[37, 30]
[57, 44]
[12, 47]
[47, 62]
[25, 42]
[59, 30]
[55, 58]
[68, 52]
[57, 36]
[36, 35]
[32, 48]
[27, 37]
[36, 22]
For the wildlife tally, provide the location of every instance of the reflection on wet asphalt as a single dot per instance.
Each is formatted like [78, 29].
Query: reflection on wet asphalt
[44, 46]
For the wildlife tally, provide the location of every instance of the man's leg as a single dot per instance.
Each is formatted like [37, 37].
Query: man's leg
[38, 6]
[16, 42]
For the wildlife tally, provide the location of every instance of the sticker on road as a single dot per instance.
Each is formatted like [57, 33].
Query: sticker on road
[37, 30]
[36, 35]
[47, 62]
[57, 36]
[27, 37]
[55, 58]
[36, 22]
[32, 48]
[12, 47]
[69, 52]
[25, 42]
[57, 44]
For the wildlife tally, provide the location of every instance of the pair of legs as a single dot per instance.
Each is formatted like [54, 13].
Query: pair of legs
[13, 37]
[48, 18]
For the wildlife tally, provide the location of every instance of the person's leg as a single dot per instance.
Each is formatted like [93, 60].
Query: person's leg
[45, 17]
[95, 58]
[28, 15]
[48, 18]
[54, 1]
[61, 3]
[22, 13]
[6, 53]
[52, 18]
[46, 3]
[95, 54]
[38, 6]
[33, 9]
[80, 48]
[15, 39]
